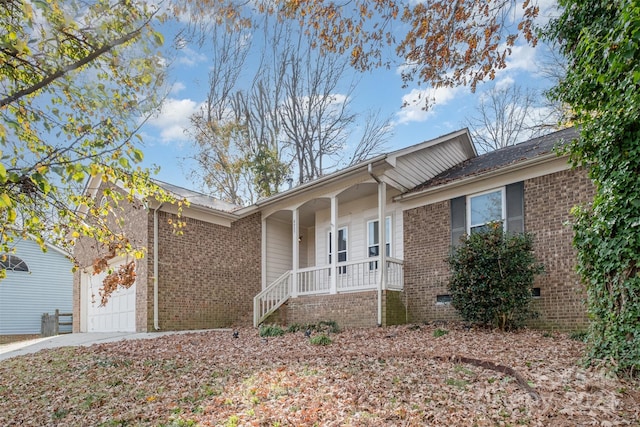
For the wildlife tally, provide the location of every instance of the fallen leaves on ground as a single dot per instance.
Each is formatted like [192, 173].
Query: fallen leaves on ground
[398, 376]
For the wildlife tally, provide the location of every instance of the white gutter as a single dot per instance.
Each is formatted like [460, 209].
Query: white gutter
[381, 223]
[156, 325]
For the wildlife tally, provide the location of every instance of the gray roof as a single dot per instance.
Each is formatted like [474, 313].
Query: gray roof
[196, 198]
[503, 157]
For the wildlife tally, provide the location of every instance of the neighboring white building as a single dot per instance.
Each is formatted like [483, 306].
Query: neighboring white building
[37, 282]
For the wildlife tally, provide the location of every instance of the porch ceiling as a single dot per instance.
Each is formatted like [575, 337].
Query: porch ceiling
[307, 212]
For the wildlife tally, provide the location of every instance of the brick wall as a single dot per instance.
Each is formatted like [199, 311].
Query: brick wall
[548, 201]
[208, 276]
[427, 238]
[87, 250]
[349, 310]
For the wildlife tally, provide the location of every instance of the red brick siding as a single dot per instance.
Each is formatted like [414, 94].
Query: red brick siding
[548, 201]
[349, 310]
[427, 237]
[208, 276]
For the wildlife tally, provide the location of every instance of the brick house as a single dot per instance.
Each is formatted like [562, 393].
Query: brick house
[204, 278]
[316, 251]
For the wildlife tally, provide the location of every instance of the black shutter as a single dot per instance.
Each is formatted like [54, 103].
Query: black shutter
[458, 219]
[515, 207]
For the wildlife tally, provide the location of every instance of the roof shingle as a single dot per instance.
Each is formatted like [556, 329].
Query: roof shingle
[503, 157]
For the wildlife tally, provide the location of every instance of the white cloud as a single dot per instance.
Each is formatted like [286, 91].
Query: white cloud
[190, 57]
[173, 119]
[415, 101]
[177, 87]
[504, 83]
[523, 57]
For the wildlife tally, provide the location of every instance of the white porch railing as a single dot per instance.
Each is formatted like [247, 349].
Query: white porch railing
[353, 276]
[268, 301]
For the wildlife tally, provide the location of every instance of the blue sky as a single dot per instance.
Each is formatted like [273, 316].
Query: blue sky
[166, 144]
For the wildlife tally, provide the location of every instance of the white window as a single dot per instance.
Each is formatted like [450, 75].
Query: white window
[342, 248]
[485, 208]
[373, 240]
[12, 263]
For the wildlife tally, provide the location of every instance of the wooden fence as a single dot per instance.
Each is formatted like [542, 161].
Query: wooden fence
[55, 324]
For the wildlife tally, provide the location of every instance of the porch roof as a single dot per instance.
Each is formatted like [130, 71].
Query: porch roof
[402, 169]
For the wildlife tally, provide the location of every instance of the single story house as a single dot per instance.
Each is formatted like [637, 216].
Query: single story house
[318, 251]
[36, 282]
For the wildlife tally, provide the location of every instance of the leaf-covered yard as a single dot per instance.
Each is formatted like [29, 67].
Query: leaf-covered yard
[401, 376]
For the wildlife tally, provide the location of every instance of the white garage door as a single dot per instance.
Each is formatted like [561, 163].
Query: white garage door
[118, 315]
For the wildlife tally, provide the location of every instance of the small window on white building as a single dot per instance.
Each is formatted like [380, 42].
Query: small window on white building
[485, 208]
[13, 263]
[342, 248]
[373, 240]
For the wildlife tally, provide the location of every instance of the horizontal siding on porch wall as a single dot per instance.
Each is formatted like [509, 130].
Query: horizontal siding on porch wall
[355, 215]
[279, 248]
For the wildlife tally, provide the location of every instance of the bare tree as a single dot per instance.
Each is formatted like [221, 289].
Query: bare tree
[218, 129]
[508, 115]
[376, 131]
[283, 111]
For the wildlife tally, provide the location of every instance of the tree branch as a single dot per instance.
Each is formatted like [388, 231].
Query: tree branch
[74, 66]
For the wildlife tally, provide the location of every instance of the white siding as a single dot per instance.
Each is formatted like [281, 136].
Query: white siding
[24, 297]
[279, 249]
[354, 215]
[311, 250]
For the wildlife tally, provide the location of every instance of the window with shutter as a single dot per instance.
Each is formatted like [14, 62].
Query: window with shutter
[472, 213]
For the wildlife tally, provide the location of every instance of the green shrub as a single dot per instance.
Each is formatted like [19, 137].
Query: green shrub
[579, 335]
[271, 331]
[321, 339]
[440, 332]
[323, 326]
[492, 276]
[296, 327]
[328, 326]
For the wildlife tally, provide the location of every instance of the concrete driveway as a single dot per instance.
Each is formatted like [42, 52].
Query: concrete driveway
[80, 339]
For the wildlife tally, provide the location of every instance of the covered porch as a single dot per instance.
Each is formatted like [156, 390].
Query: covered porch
[298, 247]
[341, 237]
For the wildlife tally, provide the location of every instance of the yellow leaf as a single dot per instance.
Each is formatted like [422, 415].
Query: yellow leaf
[5, 201]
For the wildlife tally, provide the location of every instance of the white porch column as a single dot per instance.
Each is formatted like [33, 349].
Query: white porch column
[295, 233]
[334, 245]
[382, 244]
[382, 230]
[263, 250]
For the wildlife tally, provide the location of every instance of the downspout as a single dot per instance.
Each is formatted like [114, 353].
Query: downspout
[156, 325]
[376, 179]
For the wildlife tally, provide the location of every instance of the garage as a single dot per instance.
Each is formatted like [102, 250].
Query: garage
[118, 315]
